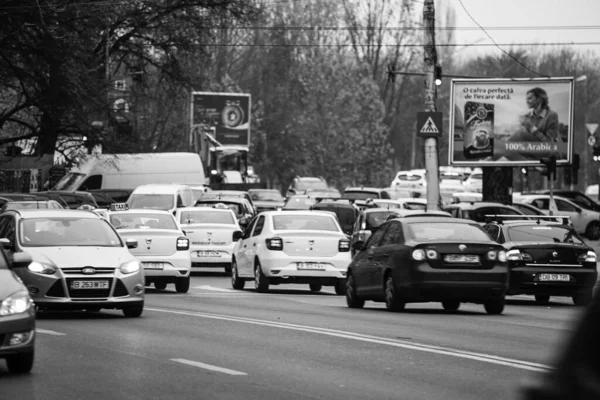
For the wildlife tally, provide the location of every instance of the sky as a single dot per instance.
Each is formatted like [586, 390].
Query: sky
[519, 16]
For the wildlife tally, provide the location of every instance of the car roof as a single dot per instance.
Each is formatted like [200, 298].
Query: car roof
[159, 188]
[297, 212]
[54, 213]
[223, 199]
[520, 222]
[363, 189]
[141, 211]
[437, 219]
[470, 205]
[267, 190]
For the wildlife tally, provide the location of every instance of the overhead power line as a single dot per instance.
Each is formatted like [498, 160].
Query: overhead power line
[401, 45]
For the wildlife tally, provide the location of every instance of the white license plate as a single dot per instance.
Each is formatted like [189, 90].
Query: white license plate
[461, 258]
[208, 253]
[153, 265]
[89, 285]
[554, 277]
[311, 266]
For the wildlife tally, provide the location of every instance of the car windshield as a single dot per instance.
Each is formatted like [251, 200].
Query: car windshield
[409, 205]
[304, 222]
[375, 219]
[527, 210]
[235, 207]
[152, 201]
[399, 193]
[271, 195]
[447, 231]
[406, 177]
[360, 195]
[304, 185]
[298, 203]
[582, 201]
[67, 231]
[142, 221]
[539, 233]
[206, 217]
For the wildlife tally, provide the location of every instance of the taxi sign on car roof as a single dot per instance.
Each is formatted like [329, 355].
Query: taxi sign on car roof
[119, 207]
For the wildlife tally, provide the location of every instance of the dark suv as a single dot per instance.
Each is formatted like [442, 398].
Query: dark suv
[301, 184]
[344, 210]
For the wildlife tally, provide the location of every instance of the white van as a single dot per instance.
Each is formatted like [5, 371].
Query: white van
[128, 171]
[161, 197]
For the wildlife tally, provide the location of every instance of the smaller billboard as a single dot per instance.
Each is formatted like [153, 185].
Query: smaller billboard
[510, 122]
[228, 113]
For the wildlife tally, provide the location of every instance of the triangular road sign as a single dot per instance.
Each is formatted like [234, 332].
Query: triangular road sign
[429, 127]
[592, 128]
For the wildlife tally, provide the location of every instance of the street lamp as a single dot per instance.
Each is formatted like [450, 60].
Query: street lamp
[580, 79]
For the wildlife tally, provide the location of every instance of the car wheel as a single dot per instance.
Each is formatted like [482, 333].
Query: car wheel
[261, 282]
[340, 287]
[236, 282]
[133, 312]
[494, 307]
[542, 299]
[160, 285]
[352, 299]
[392, 301]
[582, 299]
[593, 230]
[182, 285]
[451, 305]
[20, 363]
[315, 287]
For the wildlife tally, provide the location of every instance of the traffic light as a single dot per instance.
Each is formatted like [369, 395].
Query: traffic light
[550, 163]
[438, 75]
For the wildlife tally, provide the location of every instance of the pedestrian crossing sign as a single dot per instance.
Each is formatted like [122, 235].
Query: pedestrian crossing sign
[429, 124]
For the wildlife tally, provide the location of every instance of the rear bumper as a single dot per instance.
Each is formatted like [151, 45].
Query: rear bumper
[282, 269]
[224, 251]
[177, 265]
[15, 324]
[526, 280]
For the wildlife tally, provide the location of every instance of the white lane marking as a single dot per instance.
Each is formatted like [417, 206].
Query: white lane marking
[487, 358]
[209, 367]
[214, 289]
[49, 332]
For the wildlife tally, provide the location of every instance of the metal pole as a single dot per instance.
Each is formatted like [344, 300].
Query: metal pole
[430, 61]
[551, 184]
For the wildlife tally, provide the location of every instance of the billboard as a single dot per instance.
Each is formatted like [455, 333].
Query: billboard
[510, 122]
[228, 113]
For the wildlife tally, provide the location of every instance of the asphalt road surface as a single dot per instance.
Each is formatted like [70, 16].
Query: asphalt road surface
[217, 343]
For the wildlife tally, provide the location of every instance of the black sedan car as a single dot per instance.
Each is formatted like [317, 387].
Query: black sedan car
[428, 259]
[546, 258]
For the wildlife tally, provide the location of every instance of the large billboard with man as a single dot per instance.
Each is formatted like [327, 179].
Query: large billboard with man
[507, 122]
[228, 113]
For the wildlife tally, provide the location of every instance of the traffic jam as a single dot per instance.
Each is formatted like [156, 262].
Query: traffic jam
[367, 244]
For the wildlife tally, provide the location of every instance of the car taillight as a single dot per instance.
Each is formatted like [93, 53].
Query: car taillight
[590, 256]
[183, 243]
[275, 244]
[344, 245]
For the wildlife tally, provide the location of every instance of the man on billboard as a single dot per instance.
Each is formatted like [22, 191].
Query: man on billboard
[540, 124]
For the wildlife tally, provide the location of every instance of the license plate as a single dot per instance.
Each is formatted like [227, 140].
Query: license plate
[312, 266]
[461, 258]
[554, 277]
[208, 253]
[89, 285]
[153, 265]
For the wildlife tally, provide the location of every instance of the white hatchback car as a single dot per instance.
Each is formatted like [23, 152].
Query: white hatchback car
[210, 231]
[410, 179]
[278, 247]
[163, 249]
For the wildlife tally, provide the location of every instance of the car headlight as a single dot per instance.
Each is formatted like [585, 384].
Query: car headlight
[130, 267]
[16, 303]
[42, 268]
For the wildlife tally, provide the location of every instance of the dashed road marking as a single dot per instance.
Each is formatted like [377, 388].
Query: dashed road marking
[209, 367]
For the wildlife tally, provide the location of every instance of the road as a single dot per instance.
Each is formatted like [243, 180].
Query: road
[216, 343]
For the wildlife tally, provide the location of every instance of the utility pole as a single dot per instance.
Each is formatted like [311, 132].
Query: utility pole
[430, 59]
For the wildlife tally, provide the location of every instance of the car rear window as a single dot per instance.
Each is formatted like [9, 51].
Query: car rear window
[362, 195]
[406, 177]
[304, 222]
[298, 203]
[235, 207]
[446, 231]
[152, 201]
[375, 219]
[142, 221]
[540, 233]
[206, 217]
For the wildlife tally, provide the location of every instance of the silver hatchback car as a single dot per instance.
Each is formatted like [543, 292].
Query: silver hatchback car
[78, 261]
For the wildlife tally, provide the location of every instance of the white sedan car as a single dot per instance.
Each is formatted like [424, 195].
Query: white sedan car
[210, 231]
[162, 248]
[278, 247]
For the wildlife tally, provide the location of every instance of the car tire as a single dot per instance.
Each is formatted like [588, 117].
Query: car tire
[236, 282]
[495, 306]
[160, 285]
[592, 231]
[451, 305]
[134, 311]
[542, 299]
[340, 287]
[20, 363]
[182, 285]
[261, 282]
[392, 300]
[315, 287]
[583, 299]
[352, 300]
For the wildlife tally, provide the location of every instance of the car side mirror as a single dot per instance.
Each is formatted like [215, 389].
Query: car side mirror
[237, 235]
[21, 260]
[358, 245]
[131, 243]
